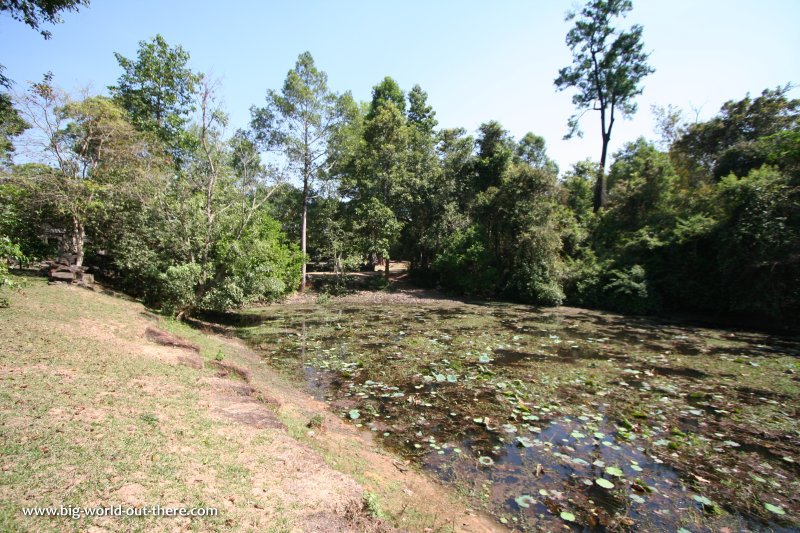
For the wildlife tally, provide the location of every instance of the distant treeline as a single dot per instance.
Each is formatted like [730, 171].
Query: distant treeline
[152, 187]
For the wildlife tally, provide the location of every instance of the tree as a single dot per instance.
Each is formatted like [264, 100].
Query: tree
[377, 186]
[157, 89]
[33, 13]
[88, 150]
[607, 69]
[427, 192]
[203, 239]
[733, 140]
[11, 125]
[299, 121]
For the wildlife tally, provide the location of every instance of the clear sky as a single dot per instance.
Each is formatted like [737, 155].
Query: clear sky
[477, 60]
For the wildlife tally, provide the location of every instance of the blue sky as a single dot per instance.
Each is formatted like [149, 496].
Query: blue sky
[477, 60]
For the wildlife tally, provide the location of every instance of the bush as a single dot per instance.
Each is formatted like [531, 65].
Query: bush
[177, 287]
[466, 266]
[8, 250]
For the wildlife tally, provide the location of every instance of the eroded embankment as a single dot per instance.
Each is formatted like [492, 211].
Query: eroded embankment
[104, 404]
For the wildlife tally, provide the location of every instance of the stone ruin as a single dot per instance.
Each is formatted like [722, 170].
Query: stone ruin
[64, 272]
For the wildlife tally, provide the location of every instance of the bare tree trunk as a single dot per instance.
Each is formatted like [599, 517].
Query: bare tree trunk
[78, 234]
[386, 268]
[303, 228]
[600, 195]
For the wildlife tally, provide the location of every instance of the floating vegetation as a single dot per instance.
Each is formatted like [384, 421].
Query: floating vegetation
[606, 484]
[525, 501]
[620, 418]
[774, 509]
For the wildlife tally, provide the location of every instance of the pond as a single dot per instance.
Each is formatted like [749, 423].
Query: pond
[561, 417]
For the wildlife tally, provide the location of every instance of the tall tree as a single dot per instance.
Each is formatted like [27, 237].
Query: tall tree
[427, 191]
[158, 89]
[299, 121]
[607, 68]
[87, 151]
[378, 186]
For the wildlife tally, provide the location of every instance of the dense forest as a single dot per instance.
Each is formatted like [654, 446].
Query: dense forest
[152, 187]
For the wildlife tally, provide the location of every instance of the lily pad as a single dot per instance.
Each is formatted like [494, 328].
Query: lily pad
[613, 471]
[354, 414]
[485, 460]
[569, 517]
[606, 484]
[703, 500]
[524, 442]
[774, 509]
[525, 501]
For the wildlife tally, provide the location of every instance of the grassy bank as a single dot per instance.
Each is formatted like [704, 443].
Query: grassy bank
[92, 413]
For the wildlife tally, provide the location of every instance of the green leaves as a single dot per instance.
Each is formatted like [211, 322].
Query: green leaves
[157, 89]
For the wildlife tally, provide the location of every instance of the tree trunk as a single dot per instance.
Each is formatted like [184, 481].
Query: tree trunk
[600, 196]
[304, 225]
[386, 268]
[78, 234]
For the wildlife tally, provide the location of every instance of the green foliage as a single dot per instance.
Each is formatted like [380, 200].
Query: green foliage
[11, 125]
[157, 89]
[8, 251]
[465, 265]
[34, 13]
[757, 242]
[377, 227]
[176, 287]
[736, 140]
[627, 290]
[372, 505]
[259, 265]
